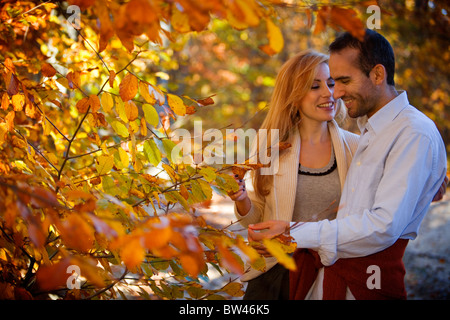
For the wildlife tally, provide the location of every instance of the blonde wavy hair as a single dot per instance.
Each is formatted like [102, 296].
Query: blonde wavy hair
[293, 82]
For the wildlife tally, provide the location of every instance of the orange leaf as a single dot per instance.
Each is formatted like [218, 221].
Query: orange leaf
[112, 76]
[18, 102]
[348, 20]
[10, 120]
[128, 88]
[77, 233]
[157, 238]
[131, 110]
[74, 79]
[94, 102]
[54, 276]
[229, 260]
[83, 105]
[132, 253]
[322, 17]
[5, 101]
[48, 70]
[192, 264]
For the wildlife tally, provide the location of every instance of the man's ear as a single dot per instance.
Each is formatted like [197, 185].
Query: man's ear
[378, 74]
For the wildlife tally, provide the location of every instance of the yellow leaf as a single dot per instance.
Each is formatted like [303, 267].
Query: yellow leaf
[180, 21]
[243, 13]
[105, 164]
[145, 93]
[3, 131]
[120, 109]
[150, 114]
[143, 127]
[234, 289]
[276, 41]
[176, 104]
[277, 250]
[124, 157]
[128, 88]
[158, 94]
[107, 102]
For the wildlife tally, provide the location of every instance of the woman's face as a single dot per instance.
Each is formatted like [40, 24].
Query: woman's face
[318, 104]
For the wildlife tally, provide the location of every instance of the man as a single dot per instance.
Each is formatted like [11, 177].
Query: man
[398, 167]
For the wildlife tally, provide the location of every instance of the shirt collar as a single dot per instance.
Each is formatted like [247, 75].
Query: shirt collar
[383, 117]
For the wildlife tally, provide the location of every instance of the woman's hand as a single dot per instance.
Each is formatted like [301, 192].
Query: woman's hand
[241, 194]
[266, 230]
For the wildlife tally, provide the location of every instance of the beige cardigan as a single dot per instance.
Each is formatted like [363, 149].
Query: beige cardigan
[279, 204]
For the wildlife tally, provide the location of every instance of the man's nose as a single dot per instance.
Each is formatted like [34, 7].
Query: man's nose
[338, 91]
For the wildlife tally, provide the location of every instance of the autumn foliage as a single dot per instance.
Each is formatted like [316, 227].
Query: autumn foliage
[86, 173]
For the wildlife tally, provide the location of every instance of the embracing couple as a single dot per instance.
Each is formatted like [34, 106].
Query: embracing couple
[354, 201]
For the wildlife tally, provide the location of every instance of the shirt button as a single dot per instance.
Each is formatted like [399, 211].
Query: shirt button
[353, 189]
[358, 163]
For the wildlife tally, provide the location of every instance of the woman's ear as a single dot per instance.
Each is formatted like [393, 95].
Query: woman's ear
[378, 74]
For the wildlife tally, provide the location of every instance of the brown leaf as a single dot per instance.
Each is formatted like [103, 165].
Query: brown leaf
[128, 88]
[206, 101]
[48, 70]
[12, 84]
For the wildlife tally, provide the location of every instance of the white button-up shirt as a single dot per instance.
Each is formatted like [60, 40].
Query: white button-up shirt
[397, 169]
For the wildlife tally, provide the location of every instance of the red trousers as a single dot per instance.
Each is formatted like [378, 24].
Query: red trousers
[352, 273]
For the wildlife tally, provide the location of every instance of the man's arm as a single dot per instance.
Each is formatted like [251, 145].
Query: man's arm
[402, 196]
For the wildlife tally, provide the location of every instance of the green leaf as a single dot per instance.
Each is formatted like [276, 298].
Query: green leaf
[150, 114]
[152, 152]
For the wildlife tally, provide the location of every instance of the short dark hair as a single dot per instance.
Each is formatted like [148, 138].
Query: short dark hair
[375, 49]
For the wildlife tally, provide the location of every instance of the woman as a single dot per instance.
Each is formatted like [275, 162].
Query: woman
[311, 175]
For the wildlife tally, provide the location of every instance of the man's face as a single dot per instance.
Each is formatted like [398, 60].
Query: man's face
[351, 84]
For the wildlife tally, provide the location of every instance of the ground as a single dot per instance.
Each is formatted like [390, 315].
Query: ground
[427, 258]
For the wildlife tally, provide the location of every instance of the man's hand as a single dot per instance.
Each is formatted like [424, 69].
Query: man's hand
[440, 194]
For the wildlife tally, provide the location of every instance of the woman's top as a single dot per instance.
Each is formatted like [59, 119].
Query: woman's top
[279, 204]
[318, 192]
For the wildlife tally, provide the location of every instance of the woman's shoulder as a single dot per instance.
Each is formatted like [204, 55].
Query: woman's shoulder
[348, 135]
